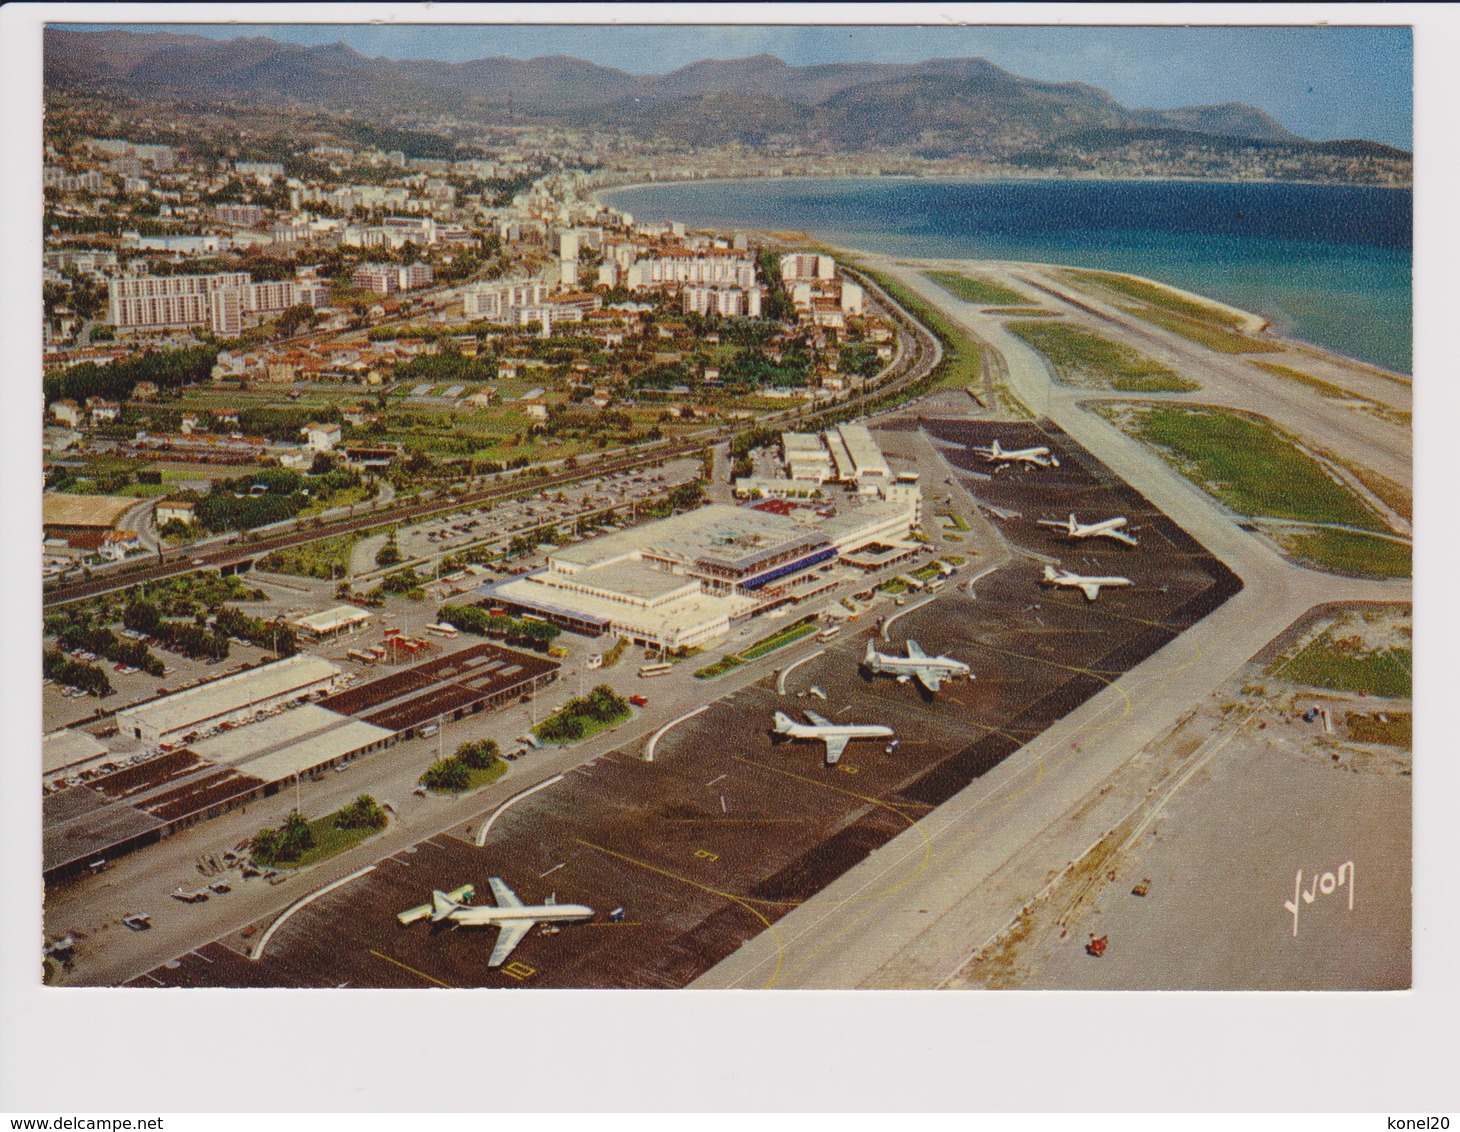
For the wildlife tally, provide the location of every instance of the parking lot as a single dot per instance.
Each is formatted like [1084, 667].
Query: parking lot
[727, 830]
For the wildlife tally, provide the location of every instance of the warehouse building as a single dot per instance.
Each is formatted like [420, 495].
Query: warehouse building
[332, 623]
[231, 700]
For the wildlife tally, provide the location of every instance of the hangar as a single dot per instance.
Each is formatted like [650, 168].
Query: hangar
[229, 700]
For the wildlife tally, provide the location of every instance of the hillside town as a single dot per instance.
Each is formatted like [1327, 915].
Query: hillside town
[234, 343]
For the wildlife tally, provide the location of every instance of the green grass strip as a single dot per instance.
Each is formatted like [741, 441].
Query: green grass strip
[974, 289]
[1082, 358]
[1250, 466]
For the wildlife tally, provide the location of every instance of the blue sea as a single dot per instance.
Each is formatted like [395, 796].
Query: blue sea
[1327, 264]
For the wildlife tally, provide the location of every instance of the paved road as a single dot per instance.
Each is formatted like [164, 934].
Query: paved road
[913, 912]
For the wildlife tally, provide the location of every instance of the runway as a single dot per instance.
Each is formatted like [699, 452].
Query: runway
[912, 913]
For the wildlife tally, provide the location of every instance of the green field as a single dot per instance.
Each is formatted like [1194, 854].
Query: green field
[974, 289]
[476, 778]
[1153, 295]
[1351, 553]
[1207, 325]
[1338, 393]
[719, 667]
[1398, 731]
[1082, 358]
[326, 558]
[1342, 664]
[1203, 333]
[777, 640]
[961, 365]
[1246, 463]
[1026, 312]
[329, 840]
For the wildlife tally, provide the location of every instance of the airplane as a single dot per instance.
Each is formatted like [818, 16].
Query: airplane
[996, 452]
[515, 918]
[1090, 586]
[836, 736]
[1108, 528]
[930, 671]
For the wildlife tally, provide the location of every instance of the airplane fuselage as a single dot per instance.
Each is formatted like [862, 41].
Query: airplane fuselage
[538, 913]
[903, 667]
[1108, 528]
[838, 731]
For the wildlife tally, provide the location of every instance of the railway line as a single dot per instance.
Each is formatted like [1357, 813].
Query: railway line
[920, 352]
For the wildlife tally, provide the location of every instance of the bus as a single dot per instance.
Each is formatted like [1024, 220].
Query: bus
[936, 584]
[828, 633]
[648, 670]
[442, 630]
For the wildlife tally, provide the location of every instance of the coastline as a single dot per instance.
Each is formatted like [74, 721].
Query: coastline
[1381, 357]
[971, 179]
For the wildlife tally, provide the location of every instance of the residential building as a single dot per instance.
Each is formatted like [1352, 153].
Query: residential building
[322, 437]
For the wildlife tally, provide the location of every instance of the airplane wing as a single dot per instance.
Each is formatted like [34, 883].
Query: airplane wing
[508, 938]
[503, 895]
[1091, 589]
[931, 679]
[835, 745]
[819, 720]
[1125, 537]
[914, 650]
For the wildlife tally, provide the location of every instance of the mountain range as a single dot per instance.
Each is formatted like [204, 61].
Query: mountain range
[942, 106]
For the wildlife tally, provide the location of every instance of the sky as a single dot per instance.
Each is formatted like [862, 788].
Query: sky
[1320, 82]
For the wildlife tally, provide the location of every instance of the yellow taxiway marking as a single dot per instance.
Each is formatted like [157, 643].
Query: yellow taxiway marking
[911, 821]
[519, 971]
[412, 970]
[740, 900]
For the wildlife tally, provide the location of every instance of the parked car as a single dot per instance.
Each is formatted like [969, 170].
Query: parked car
[639, 701]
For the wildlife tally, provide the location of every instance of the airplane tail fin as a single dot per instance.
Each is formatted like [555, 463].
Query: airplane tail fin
[784, 723]
[441, 906]
[1049, 574]
[870, 657]
[1073, 524]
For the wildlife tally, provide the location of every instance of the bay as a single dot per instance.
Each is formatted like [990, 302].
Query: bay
[1326, 264]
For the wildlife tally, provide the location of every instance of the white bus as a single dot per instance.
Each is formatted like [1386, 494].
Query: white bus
[828, 633]
[648, 670]
[442, 630]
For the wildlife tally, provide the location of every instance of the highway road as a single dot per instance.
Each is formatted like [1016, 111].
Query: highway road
[911, 915]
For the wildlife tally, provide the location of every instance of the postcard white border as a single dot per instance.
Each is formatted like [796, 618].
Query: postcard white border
[200, 1051]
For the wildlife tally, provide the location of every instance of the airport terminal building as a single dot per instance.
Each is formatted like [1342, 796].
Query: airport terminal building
[682, 581]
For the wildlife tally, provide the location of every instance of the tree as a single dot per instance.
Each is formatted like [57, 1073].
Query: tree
[295, 836]
[448, 775]
[265, 847]
[292, 320]
[479, 755]
[363, 813]
[389, 554]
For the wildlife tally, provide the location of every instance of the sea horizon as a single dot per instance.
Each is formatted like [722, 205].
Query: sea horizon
[1325, 264]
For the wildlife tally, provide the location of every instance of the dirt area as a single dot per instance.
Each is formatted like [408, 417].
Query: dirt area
[1274, 853]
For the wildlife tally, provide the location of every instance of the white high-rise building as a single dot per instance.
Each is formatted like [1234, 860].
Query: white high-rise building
[730, 270]
[805, 265]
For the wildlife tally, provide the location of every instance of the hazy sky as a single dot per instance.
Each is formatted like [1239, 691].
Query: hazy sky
[1320, 82]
